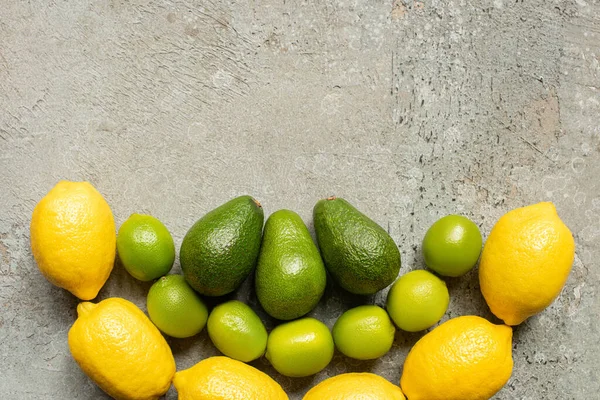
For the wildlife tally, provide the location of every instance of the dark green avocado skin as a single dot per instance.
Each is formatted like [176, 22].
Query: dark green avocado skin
[221, 249]
[359, 254]
[290, 275]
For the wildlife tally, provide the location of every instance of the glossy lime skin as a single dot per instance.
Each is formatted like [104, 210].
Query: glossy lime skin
[359, 254]
[290, 275]
[364, 332]
[300, 348]
[175, 308]
[145, 247]
[236, 330]
[417, 301]
[452, 245]
[220, 250]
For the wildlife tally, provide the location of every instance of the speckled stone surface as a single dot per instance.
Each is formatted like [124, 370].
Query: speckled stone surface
[411, 110]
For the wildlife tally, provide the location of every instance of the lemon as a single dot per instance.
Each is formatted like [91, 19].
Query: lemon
[452, 245]
[222, 378]
[237, 331]
[525, 262]
[355, 386]
[417, 301]
[463, 358]
[364, 332]
[175, 308]
[146, 247]
[300, 348]
[73, 238]
[117, 346]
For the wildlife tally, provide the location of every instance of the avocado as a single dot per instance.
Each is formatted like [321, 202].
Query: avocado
[221, 248]
[359, 254]
[290, 275]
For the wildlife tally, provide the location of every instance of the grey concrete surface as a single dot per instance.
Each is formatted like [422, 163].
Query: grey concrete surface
[409, 109]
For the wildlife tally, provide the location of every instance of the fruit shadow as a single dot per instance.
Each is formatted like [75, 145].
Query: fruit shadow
[246, 294]
[403, 342]
[294, 387]
[466, 297]
[465, 293]
[333, 303]
[348, 364]
[50, 301]
[521, 331]
[190, 351]
[120, 282]
[58, 305]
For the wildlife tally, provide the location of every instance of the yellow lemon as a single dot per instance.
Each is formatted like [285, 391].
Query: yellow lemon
[463, 358]
[355, 386]
[73, 238]
[223, 378]
[525, 262]
[118, 347]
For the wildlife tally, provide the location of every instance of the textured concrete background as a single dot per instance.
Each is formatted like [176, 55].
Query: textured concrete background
[411, 110]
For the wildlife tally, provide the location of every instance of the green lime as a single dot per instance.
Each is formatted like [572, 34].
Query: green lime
[300, 348]
[452, 245]
[364, 332]
[237, 331]
[175, 308]
[417, 301]
[145, 247]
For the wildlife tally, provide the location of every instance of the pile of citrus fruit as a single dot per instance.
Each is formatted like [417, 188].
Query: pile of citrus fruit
[523, 266]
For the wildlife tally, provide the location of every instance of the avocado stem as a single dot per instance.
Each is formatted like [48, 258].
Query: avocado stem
[331, 198]
[257, 202]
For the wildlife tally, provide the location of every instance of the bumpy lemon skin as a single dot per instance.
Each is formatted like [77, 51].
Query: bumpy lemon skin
[525, 262]
[355, 386]
[73, 238]
[119, 348]
[223, 378]
[463, 358]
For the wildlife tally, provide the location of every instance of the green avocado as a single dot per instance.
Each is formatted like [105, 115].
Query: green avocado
[221, 248]
[290, 275]
[359, 254]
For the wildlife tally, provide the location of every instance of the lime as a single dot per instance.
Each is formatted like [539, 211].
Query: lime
[145, 247]
[300, 348]
[237, 331]
[175, 308]
[417, 301]
[452, 245]
[364, 332]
